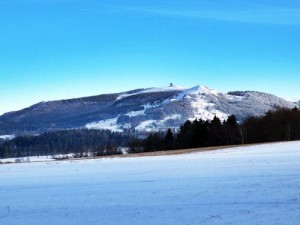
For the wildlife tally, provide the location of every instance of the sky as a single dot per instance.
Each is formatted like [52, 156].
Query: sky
[58, 49]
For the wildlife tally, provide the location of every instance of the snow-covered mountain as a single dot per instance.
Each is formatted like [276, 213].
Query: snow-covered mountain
[150, 109]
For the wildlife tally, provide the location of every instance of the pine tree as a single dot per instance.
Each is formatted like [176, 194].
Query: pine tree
[169, 140]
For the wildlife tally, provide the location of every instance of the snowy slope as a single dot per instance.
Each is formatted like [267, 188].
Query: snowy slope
[151, 109]
[250, 185]
[197, 102]
[151, 90]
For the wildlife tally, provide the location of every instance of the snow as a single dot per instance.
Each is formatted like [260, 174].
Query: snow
[147, 125]
[293, 100]
[135, 113]
[205, 110]
[155, 125]
[248, 185]
[36, 158]
[27, 159]
[202, 108]
[199, 102]
[143, 111]
[109, 124]
[151, 90]
[7, 137]
[201, 89]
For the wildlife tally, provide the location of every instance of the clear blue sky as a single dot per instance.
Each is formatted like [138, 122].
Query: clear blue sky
[54, 49]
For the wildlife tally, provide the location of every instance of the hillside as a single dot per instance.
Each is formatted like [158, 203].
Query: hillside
[149, 109]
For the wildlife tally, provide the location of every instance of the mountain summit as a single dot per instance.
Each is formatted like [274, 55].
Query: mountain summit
[150, 109]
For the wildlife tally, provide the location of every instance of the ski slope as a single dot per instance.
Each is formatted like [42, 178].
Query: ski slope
[247, 185]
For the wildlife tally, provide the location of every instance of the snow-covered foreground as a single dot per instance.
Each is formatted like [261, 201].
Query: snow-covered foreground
[250, 185]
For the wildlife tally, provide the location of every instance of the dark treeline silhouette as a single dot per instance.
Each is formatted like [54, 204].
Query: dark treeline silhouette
[97, 142]
[278, 125]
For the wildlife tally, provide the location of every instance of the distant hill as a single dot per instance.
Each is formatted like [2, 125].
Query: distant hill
[151, 109]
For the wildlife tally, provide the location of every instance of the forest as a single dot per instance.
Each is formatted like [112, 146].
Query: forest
[276, 125]
[79, 142]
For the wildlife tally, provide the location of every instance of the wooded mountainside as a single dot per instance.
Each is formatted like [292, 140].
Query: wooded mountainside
[278, 125]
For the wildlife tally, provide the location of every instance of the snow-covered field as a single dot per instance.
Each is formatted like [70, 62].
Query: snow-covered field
[250, 185]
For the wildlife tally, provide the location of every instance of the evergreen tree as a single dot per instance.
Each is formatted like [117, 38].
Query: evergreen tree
[215, 132]
[169, 140]
[184, 137]
[232, 131]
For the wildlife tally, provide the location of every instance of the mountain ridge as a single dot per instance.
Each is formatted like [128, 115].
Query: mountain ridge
[144, 109]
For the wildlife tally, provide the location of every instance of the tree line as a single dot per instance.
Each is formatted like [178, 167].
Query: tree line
[96, 142]
[276, 125]
[191, 134]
